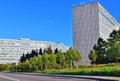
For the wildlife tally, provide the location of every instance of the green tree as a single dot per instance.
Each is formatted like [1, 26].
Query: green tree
[56, 51]
[92, 56]
[45, 60]
[40, 51]
[77, 58]
[4, 67]
[26, 66]
[60, 58]
[27, 56]
[22, 58]
[113, 52]
[100, 50]
[33, 61]
[70, 54]
[114, 36]
[39, 62]
[49, 50]
[52, 59]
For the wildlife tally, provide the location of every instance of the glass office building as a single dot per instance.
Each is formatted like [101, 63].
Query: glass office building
[11, 50]
[90, 21]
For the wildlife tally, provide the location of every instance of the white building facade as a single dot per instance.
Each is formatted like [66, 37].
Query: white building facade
[11, 50]
[90, 21]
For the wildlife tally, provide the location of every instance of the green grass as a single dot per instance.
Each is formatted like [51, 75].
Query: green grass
[99, 70]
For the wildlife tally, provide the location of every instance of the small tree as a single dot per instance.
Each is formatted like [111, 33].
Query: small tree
[92, 56]
[77, 58]
[56, 51]
[39, 62]
[100, 50]
[45, 60]
[49, 50]
[26, 66]
[33, 61]
[40, 51]
[22, 58]
[70, 56]
[52, 59]
[60, 58]
[113, 52]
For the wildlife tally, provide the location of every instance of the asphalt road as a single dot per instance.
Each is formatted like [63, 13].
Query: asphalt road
[28, 77]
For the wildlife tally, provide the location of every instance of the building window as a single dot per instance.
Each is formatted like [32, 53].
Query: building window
[108, 19]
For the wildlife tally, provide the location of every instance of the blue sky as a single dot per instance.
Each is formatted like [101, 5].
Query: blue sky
[44, 20]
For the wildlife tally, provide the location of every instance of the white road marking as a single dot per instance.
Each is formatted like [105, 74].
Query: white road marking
[9, 78]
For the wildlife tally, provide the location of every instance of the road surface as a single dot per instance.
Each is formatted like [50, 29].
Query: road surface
[29, 77]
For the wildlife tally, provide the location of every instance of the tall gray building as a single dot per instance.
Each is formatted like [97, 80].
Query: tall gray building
[90, 21]
[11, 49]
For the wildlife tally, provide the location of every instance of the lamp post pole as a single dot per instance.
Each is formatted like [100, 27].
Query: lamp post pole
[16, 65]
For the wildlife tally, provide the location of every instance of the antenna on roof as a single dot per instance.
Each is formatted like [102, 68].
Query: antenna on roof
[80, 3]
[83, 2]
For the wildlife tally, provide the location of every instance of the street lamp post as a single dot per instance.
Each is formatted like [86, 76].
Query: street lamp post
[16, 65]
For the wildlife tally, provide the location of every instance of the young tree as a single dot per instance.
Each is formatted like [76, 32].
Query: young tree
[52, 59]
[60, 58]
[45, 60]
[22, 58]
[39, 62]
[114, 36]
[113, 52]
[33, 53]
[40, 52]
[77, 58]
[92, 56]
[100, 50]
[44, 51]
[70, 54]
[56, 51]
[49, 50]
[36, 52]
[33, 61]
[27, 56]
[26, 66]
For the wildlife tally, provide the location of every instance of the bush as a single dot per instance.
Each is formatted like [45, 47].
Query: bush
[4, 67]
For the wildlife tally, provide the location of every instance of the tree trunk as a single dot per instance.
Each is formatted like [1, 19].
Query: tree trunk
[66, 66]
[71, 66]
[77, 66]
[45, 66]
[37, 68]
[41, 67]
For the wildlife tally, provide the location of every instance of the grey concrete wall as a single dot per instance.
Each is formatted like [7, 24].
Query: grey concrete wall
[85, 29]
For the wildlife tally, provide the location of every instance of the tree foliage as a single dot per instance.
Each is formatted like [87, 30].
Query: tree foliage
[77, 58]
[113, 53]
[60, 58]
[47, 59]
[92, 56]
[100, 50]
[108, 51]
[49, 50]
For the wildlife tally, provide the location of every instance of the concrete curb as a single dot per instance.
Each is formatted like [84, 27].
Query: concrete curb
[99, 78]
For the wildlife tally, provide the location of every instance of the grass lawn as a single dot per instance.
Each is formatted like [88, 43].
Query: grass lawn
[99, 70]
